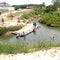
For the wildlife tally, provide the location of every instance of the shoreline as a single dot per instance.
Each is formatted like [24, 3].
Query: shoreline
[50, 25]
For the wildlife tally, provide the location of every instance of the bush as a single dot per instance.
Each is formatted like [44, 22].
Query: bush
[29, 15]
[52, 18]
[3, 30]
[50, 8]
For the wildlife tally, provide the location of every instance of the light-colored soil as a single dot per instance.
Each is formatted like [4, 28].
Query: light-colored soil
[9, 21]
[12, 23]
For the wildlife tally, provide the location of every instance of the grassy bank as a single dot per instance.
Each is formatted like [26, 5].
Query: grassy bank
[6, 36]
[25, 47]
[3, 30]
[51, 19]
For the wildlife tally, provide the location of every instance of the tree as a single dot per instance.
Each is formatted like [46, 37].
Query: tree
[56, 3]
[53, 1]
[50, 8]
[43, 4]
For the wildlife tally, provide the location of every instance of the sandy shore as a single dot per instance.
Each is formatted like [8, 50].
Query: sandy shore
[50, 54]
[14, 23]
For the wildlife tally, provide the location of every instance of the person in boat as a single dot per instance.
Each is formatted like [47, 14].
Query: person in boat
[17, 36]
[23, 33]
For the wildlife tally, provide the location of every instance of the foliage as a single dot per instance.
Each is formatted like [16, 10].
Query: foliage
[50, 8]
[56, 3]
[6, 36]
[12, 28]
[28, 15]
[24, 6]
[19, 6]
[17, 13]
[2, 30]
[52, 18]
[12, 48]
[6, 29]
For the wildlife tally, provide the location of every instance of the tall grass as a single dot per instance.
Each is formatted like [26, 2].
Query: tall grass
[24, 47]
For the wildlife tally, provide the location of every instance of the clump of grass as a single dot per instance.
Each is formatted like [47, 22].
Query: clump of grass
[24, 47]
[17, 13]
[12, 28]
[6, 37]
[8, 48]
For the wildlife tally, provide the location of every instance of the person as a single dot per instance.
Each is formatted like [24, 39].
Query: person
[2, 20]
[0, 13]
[34, 24]
[18, 19]
[17, 36]
[34, 27]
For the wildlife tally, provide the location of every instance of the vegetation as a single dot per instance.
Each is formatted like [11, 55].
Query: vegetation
[50, 8]
[51, 15]
[6, 36]
[25, 47]
[24, 6]
[32, 14]
[56, 3]
[17, 13]
[6, 29]
[51, 19]
[48, 14]
[19, 6]
[28, 15]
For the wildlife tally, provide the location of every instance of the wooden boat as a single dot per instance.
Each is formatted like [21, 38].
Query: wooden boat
[29, 28]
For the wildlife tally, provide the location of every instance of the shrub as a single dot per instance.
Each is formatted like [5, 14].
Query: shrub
[51, 18]
[3, 30]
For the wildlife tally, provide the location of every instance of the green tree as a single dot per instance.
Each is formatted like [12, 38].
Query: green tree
[56, 3]
[50, 8]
